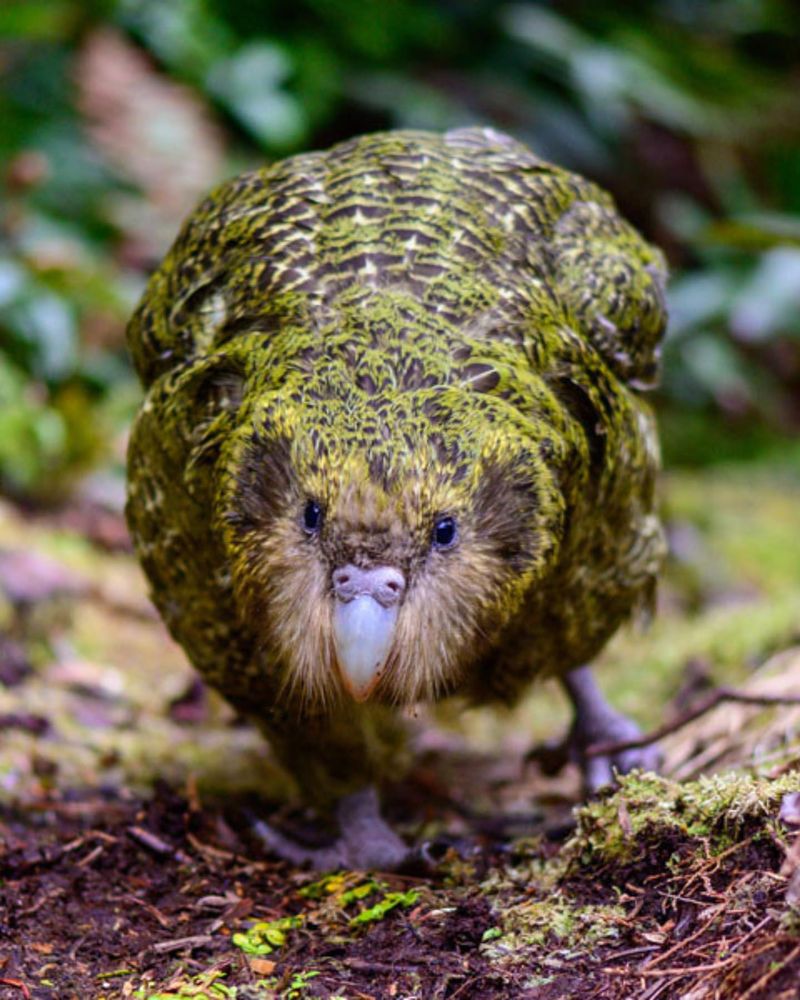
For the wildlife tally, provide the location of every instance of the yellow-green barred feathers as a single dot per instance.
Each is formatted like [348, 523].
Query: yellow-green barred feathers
[404, 328]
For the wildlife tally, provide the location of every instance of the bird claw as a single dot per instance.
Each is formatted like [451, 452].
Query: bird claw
[429, 855]
[367, 842]
[601, 770]
[328, 858]
[595, 723]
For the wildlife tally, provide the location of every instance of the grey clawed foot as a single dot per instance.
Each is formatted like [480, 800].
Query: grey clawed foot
[597, 722]
[318, 858]
[366, 840]
[600, 770]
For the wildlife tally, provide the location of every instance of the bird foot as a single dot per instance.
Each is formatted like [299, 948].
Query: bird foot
[595, 722]
[366, 842]
[600, 770]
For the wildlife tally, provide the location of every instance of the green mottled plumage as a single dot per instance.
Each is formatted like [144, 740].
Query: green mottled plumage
[405, 325]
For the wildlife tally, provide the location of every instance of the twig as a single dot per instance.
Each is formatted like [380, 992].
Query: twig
[717, 697]
[723, 963]
[156, 845]
[364, 965]
[656, 960]
[93, 855]
[195, 941]
[43, 901]
[630, 952]
[208, 851]
[128, 897]
[655, 990]
[468, 981]
[77, 946]
[18, 985]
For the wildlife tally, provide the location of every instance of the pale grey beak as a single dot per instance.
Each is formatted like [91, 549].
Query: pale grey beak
[364, 618]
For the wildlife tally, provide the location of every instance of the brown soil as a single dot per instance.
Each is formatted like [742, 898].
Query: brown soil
[97, 893]
[114, 897]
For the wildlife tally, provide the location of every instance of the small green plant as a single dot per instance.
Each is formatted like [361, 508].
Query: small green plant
[204, 986]
[346, 886]
[389, 902]
[298, 984]
[347, 890]
[264, 937]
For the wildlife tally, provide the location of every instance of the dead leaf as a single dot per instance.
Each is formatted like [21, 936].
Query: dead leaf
[262, 966]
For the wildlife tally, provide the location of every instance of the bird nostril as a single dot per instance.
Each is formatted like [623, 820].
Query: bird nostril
[384, 583]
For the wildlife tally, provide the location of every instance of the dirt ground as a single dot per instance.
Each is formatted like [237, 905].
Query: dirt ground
[109, 896]
[129, 867]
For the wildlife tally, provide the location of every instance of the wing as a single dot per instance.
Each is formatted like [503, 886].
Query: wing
[216, 282]
[607, 278]
[170, 502]
[613, 283]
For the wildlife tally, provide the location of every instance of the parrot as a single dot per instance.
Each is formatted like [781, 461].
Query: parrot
[393, 449]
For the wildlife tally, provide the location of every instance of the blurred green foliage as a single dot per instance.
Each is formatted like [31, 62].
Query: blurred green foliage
[115, 115]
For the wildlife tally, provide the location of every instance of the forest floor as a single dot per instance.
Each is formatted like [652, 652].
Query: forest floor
[128, 866]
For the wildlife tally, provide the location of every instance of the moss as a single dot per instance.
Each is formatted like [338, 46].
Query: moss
[723, 802]
[650, 810]
[651, 827]
[555, 922]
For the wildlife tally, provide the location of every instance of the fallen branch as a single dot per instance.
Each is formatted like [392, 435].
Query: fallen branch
[717, 697]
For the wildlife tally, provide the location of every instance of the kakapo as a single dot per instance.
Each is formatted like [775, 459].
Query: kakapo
[392, 449]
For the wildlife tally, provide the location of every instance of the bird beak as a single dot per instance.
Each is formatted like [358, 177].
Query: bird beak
[363, 631]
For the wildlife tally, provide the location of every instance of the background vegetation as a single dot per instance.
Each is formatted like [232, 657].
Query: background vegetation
[116, 115]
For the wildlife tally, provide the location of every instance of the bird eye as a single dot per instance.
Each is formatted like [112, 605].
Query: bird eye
[445, 533]
[312, 517]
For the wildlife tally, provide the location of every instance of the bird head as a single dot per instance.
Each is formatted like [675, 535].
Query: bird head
[378, 547]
